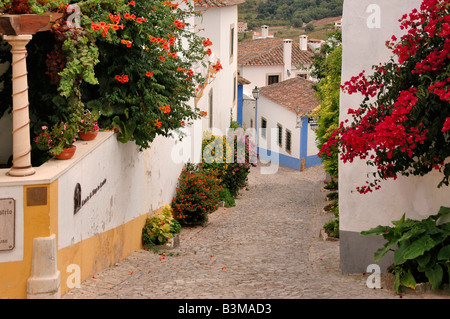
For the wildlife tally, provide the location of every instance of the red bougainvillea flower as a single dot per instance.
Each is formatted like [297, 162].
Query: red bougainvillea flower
[446, 125]
[399, 125]
[149, 74]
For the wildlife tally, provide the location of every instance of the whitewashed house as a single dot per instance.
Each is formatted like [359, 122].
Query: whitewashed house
[73, 218]
[219, 97]
[285, 135]
[268, 60]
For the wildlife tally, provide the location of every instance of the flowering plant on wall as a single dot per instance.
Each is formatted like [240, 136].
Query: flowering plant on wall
[55, 139]
[402, 124]
[130, 61]
[88, 122]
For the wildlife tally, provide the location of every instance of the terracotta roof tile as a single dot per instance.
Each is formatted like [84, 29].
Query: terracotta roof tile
[269, 51]
[242, 80]
[218, 3]
[293, 93]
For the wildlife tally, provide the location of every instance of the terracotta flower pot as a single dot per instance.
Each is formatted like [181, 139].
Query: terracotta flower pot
[88, 136]
[15, 24]
[67, 153]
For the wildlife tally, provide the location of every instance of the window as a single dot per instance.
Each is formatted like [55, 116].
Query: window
[288, 141]
[263, 127]
[272, 79]
[251, 123]
[210, 108]
[280, 134]
[231, 42]
[302, 75]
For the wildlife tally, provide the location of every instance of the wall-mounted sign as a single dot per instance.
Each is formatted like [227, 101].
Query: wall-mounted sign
[7, 223]
[78, 201]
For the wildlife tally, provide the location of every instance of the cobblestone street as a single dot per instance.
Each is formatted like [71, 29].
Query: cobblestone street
[267, 246]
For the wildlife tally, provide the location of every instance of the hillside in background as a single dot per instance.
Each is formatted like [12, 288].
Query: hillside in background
[289, 18]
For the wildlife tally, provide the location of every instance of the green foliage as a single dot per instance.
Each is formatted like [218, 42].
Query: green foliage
[226, 196]
[127, 61]
[293, 10]
[160, 228]
[197, 195]
[327, 68]
[421, 249]
[332, 228]
[230, 157]
[305, 9]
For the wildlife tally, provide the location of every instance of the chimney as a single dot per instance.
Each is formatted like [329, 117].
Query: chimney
[264, 31]
[287, 58]
[303, 42]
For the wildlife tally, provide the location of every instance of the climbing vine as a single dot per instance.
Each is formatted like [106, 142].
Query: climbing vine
[129, 62]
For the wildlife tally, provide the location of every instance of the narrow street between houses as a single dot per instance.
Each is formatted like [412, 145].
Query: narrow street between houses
[267, 246]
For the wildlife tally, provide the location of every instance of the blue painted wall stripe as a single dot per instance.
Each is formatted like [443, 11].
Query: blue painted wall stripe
[240, 105]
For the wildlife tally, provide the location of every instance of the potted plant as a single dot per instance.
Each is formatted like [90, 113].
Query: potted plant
[26, 16]
[58, 140]
[88, 126]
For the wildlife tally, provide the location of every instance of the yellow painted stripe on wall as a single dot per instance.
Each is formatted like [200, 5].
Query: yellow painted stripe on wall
[100, 251]
[40, 219]
[92, 254]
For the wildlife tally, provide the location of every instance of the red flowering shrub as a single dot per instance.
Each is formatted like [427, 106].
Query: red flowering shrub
[401, 126]
[197, 195]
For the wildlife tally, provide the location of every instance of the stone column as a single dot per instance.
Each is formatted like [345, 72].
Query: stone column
[21, 120]
[45, 279]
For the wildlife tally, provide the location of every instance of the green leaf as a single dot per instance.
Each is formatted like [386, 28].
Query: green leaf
[418, 247]
[423, 260]
[379, 254]
[444, 253]
[379, 230]
[399, 253]
[408, 280]
[435, 275]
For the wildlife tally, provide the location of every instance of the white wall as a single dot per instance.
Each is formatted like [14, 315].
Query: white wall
[257, 75]
[130, 183]
[274, 114]
[248, 112]
[312, 143]
[217, 22]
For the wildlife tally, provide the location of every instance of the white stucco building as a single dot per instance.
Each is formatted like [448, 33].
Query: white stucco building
[220, 96]
[268, 60]
[285, 135]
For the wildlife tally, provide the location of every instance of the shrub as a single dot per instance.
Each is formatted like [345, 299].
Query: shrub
[231, 157]
[225, 196]
[197, 195]
[332, 228]
[160, 228]
[421, 249]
